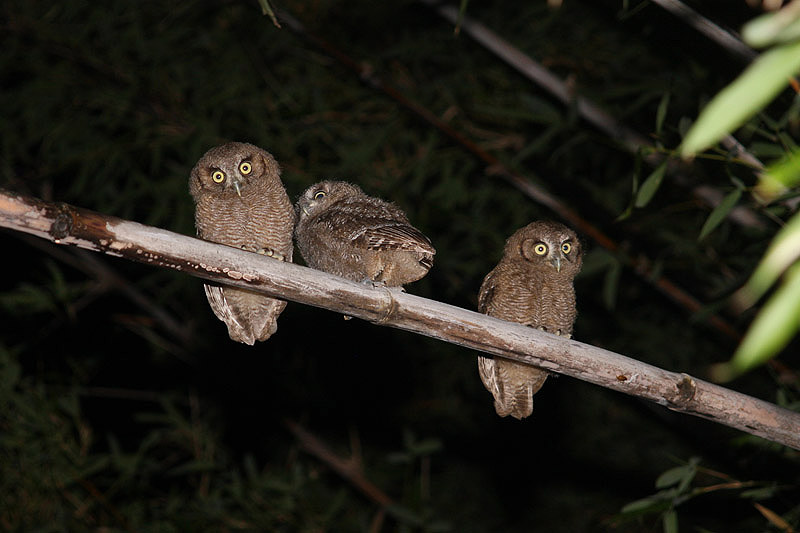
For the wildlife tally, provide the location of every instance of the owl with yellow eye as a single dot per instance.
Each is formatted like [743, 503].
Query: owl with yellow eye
[532, 285]
[240, 201]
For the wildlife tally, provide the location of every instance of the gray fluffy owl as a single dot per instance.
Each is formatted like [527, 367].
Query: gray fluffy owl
[532, 285]
[342, 231]
[240, 201]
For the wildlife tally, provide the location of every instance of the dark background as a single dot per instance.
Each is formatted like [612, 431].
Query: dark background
[112, 419]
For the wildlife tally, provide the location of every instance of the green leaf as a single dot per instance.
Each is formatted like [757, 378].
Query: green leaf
[773, 328]
[719, 213]
[740, 100]
[761, 493]
[778, 27]
[661, 113]
[670, 521]
[673, 476]
[651, 185]
[462, 10]
[637, 171]
[266, 9]
[779, 176]
[782, 252]
[649, 504]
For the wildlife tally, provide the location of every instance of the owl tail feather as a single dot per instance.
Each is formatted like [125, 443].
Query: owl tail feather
[519, 399]
[522, 402]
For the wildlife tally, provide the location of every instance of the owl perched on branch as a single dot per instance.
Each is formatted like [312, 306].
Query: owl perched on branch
[342, 231]
[532, 285]
[240, 201]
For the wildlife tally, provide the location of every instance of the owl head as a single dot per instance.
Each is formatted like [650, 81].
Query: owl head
[547, 246]
[323, 194]
[231, 169]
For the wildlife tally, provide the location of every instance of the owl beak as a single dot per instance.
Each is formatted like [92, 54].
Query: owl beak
[556, 262]
[238, 187]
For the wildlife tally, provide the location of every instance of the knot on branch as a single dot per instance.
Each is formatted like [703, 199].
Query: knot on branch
[686, 389]
[61, 226]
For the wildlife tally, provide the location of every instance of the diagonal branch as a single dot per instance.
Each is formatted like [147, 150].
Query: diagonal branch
[68, 225]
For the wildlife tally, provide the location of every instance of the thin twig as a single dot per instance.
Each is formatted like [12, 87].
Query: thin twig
[727, 39]
[346, 468]
[68, 225]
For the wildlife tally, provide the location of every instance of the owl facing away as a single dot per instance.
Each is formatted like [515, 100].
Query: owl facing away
[240, 201]
[342, 231]
[532, 285]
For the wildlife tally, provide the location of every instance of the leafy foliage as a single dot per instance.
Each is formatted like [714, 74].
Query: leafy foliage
[779, 320]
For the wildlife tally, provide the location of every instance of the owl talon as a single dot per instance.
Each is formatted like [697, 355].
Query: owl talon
[269, 252]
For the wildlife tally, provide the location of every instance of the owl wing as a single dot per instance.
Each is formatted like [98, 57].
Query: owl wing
[487, 367]
[219, 304]
[389, 235]
[375, 232]
[487, 293]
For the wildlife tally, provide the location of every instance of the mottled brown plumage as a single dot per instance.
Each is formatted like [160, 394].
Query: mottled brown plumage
[343, 231]
[240, 201]
[532, 285]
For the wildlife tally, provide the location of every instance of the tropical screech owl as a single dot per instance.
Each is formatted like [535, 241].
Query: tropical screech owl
[532, 285]
[240, 201]
[342, 231]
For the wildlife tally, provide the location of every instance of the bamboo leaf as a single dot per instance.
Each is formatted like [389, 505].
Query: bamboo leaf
[649, 504]
[773, 328]
[661, 112]
[462, 10]
[650, 185]
[784, 250]
[670, 521]
[770, 28]
[740, 100]
[719, 213]
[673, 476]
[779, 176]
[266, 9]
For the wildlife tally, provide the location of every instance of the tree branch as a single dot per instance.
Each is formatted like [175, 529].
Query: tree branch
[65, 224]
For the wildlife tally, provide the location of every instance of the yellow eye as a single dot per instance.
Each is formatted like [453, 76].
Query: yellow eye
[540, 249]
[319, 195]
[245, 167]
[218, 176]
[566, 247]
